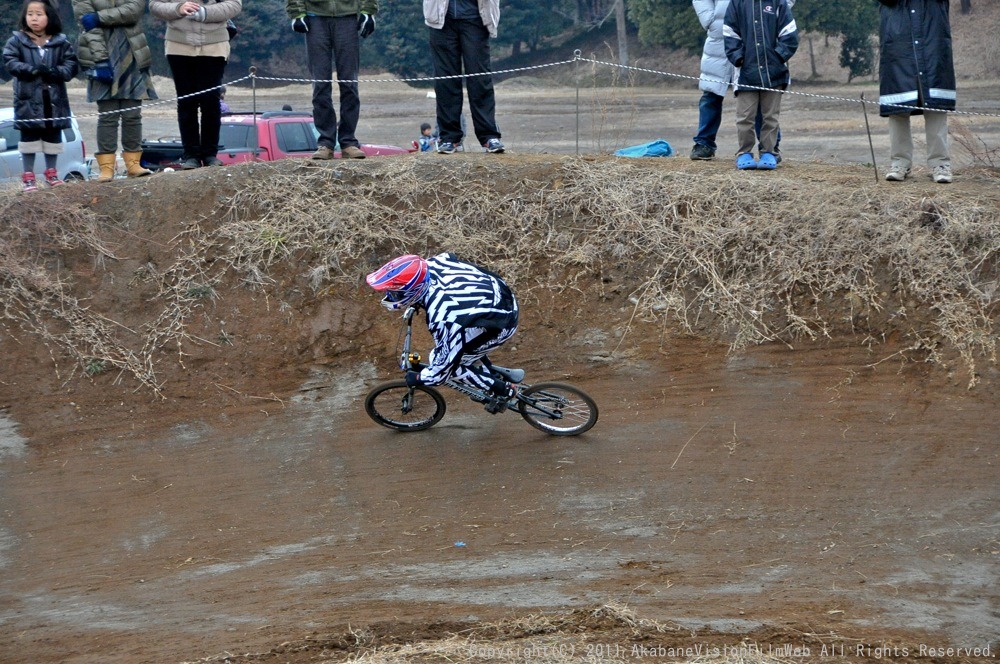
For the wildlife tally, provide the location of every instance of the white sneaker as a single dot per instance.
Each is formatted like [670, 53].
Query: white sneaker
[897, 173]
[942, 173]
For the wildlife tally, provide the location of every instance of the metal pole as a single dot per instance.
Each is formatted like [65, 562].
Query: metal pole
[871, 146]
[256, 136]
[576, 56]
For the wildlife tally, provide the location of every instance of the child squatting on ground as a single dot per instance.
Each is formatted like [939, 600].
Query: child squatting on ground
[760, 38]
[40, 59]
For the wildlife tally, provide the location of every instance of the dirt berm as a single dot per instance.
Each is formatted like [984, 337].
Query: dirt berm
[796, 457]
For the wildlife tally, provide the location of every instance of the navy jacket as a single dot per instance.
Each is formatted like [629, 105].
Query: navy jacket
[760, 38]
[20, 57]
[916, 66]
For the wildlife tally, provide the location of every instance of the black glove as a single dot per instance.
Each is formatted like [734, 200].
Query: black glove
[366, 24]
[413, 378]
[51, 75]
[299, 24]
[27, 74]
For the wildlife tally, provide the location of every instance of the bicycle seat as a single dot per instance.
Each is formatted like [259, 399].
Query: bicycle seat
[513, 375]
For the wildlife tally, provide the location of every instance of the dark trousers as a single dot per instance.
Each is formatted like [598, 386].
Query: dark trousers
[463, 45]
[194, 74]
[129, 115]
[334, 39]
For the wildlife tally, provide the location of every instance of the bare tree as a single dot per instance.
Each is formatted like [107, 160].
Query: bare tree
[622, 32]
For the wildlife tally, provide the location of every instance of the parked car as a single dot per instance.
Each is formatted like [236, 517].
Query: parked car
[71, 164]
[270, 136]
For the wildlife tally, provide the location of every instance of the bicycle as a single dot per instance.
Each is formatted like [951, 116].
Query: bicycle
[555, 408]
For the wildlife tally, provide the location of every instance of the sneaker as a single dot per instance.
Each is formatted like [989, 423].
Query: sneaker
[446, 147]
[190, 162]
[767, 162]
[28, 182]
[351, 152]
[212, 161]
[52, 178]
[942, 174]
[702, 153]
[493, 146]
[897, 173]
[323, 152]
[746, 162]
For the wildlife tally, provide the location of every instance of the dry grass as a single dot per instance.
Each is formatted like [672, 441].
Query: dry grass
[747, 260]
[609, 633]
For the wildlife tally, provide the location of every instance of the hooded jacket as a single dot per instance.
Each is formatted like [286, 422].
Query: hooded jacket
[20, 57]
[760, 37]
[126, 14]
[916, 66]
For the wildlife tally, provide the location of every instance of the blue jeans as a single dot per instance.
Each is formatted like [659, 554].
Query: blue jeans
[710, 119]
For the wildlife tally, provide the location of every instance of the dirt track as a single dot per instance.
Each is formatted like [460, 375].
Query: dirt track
[772, 493]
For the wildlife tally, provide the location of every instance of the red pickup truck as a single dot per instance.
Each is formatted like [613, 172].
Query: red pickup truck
[269, 136]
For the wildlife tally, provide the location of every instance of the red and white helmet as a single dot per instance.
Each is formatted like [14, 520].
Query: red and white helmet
[404, 281]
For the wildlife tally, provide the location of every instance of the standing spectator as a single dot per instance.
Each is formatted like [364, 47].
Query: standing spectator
[197, 47]
[113, 50]
[40, 59]
[760, 38]
[460, 31]
[716, 76]
[916, 70]
[332, 28]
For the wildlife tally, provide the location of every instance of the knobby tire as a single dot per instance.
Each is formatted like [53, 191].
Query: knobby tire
[384, 404]
[574, 411]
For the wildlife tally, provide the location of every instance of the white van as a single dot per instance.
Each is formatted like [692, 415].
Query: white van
[71, 165]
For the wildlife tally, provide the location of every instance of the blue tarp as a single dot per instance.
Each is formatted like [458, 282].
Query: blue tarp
[658, 148]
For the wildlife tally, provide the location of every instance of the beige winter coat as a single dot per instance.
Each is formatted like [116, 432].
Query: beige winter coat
[127, 14]
[435, 12]
[188, 31]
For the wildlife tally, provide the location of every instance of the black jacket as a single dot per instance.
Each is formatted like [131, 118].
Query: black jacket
[916, 66]
[760, 38]
[31, 91]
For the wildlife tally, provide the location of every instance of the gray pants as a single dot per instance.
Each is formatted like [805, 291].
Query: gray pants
[334, 38]
[747, 102]
[901, 139]
[130, 115]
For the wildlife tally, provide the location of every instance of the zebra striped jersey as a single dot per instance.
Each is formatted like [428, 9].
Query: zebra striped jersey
[460, 298]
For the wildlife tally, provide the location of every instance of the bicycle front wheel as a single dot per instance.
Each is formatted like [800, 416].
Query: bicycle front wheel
[398, 406]
[557, 408]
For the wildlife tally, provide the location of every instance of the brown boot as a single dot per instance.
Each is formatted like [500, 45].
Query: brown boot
[132, 165]
[107, 163]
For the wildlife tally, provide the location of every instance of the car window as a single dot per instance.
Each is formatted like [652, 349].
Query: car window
[69, 135]
[12, 135]
[295, 137]
[237, 137]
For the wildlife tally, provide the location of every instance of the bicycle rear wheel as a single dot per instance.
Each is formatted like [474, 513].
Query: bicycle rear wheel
[397, 406]
[557, 408]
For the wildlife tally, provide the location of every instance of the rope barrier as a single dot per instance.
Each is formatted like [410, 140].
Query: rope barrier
[577, 59]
